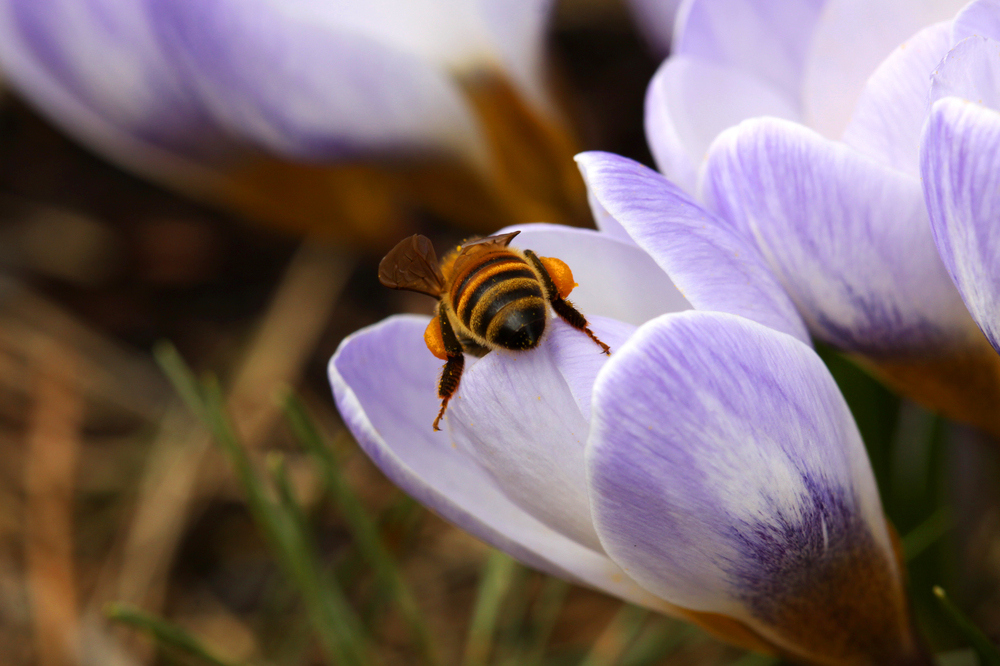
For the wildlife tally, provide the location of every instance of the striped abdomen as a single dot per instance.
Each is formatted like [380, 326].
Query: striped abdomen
[500, 300]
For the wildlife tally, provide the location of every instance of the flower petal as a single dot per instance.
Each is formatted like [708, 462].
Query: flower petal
[383, 381]
[727, 475]
[607, 224]
[848, 238]
[768, 40]
[290, 78]
[655, 19]
[95, 70]
[961, 169]
[635, 295]
[851, 39]
[890, 113]
[970, 71]
[449, 33]
[981, 17]
[712, 265]
[689, 101]
[518, 34]
[524, 416]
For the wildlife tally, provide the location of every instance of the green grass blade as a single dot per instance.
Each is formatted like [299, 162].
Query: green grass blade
[337, 625]
[363, 528]
[165, 633]
[926, 534]
[544, 614]
[754, 659]
[659, 639]
[989, 653]
[497, 576]
[286, 494]
[617, 637]
[184, 381]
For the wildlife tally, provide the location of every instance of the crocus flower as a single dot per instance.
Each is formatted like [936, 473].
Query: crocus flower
[208, 95]
[801, 123]
[709, 469]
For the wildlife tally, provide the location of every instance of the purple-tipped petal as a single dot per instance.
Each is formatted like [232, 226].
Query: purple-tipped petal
[852, 37]
[524, 416]
[890, 113]
[727, 475]
[848, 237]
[961, 170]
[384, 383]
[768, 40]
[714, 266]
[970, 71]
[288, 78]
[689, 101]
[981, 17]
[633, 295]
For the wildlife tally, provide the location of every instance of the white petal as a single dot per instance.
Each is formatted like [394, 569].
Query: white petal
[524, 416]
[890, 113]
[768, 40]
[690, 101]
[616, 279]
[981, 17]
[383, 380]
[851, 39]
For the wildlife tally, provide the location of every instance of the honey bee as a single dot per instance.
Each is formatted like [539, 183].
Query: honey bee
[490, 296]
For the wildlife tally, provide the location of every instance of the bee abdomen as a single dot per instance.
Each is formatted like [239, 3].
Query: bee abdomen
[519, 324]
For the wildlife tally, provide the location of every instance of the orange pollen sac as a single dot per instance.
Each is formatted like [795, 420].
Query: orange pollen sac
[434, 340]
[560, 273]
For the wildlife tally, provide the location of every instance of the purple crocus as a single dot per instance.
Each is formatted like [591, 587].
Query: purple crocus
[207, 94]
[824, 132]
[709, 469]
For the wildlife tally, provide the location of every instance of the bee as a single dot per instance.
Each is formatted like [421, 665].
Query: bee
[490, 296]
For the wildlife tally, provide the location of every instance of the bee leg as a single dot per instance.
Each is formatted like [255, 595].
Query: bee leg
[562, 307]
[575, 318]
[455, 363]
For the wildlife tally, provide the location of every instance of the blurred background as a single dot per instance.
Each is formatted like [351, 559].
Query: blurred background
[122, 520]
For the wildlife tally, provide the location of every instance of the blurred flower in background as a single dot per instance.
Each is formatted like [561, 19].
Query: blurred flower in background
[329, 116]
[828, 184]
[655, 19]
[709, 469]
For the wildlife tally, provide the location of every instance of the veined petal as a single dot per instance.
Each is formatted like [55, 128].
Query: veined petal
[961, 170]
[524, 416]
[713, 265]
[635, 295]
[848, 237]
[689, 101]
[727, 475]
[970, 71]
[384, 383]
[851, 39]
[768, 40]
[308, 88]
[890, 113]
[981, 17]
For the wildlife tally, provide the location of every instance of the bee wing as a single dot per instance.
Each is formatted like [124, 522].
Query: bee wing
[500, 240]
[412, 265]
